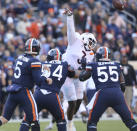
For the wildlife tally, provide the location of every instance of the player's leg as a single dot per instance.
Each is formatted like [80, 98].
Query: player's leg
[55, 108]
[90, 89]
[30, 108]
[97, 107]
[69, 93]
[78, 103]
[50, 126]
[90, 93]
[125, 113]
[9, 107]
[79, 86]
[71, 109]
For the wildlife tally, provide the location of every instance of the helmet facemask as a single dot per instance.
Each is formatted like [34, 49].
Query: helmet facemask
[89, 41]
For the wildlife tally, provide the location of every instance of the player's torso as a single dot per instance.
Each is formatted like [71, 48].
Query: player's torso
[58, 73]
[22, 72]
[75, 52]
[106, 74]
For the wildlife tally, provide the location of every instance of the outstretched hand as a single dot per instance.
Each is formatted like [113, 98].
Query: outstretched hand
[68, 12]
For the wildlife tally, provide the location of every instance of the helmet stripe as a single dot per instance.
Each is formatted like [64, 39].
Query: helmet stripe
[105, 55]
[30, 45]
[107, 51]
[57, 54]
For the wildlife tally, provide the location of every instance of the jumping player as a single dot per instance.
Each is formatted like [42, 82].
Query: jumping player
[78, 46]
[47, 96]
[27, 72]
[108, 79]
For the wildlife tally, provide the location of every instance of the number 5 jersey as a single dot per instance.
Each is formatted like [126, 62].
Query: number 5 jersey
[27, 71]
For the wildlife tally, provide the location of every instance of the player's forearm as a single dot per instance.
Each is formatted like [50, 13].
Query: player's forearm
[37, 77]
[70, 29]
[84, 75]
[77, 73]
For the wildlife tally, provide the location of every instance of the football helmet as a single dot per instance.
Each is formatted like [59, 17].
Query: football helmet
[89, 41]
[32, 46]
[54, 54]
[103, 54]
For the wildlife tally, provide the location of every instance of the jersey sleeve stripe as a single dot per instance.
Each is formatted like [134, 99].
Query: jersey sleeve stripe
[57, 54]
[88, 67]
[35, 65]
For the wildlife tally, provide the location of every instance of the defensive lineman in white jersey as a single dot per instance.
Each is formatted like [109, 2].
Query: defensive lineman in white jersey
[78, 46]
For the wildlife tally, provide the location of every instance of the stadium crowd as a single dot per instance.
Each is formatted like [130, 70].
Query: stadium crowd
[44, 20]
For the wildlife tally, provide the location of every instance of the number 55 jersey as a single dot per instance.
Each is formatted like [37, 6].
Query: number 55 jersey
[105, 74]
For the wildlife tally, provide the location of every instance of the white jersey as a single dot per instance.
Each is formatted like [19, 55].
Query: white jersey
[75, 49]
[73, 88]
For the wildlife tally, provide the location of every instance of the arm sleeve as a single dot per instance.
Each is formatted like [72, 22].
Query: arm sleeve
[84, 75]
[71, 74]
[36, 72]
[71, 34]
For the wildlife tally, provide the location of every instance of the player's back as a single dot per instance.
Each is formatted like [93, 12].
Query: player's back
[58, 73]
[23, 71]
[106, 74]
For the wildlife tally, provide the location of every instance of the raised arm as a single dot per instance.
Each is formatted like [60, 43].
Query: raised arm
[71, 34]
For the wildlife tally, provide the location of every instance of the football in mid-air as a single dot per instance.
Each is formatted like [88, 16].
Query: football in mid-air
[120, 4]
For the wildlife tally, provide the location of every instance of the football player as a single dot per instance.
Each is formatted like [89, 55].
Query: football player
[27, 72]
[78, 46]
[47, 96]
[109, 82]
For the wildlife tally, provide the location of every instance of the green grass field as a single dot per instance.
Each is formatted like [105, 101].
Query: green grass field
[111, 125]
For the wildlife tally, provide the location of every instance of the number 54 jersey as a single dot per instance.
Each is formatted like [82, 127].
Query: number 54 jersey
[105, 74]
[58, 73]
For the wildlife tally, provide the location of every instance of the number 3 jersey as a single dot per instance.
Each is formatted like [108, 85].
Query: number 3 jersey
[27, 71]
[58, 73]
[105, 74]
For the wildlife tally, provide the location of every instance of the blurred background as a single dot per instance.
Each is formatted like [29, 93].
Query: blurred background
[43, 19]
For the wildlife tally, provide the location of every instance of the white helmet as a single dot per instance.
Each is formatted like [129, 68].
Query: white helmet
[89, 41]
